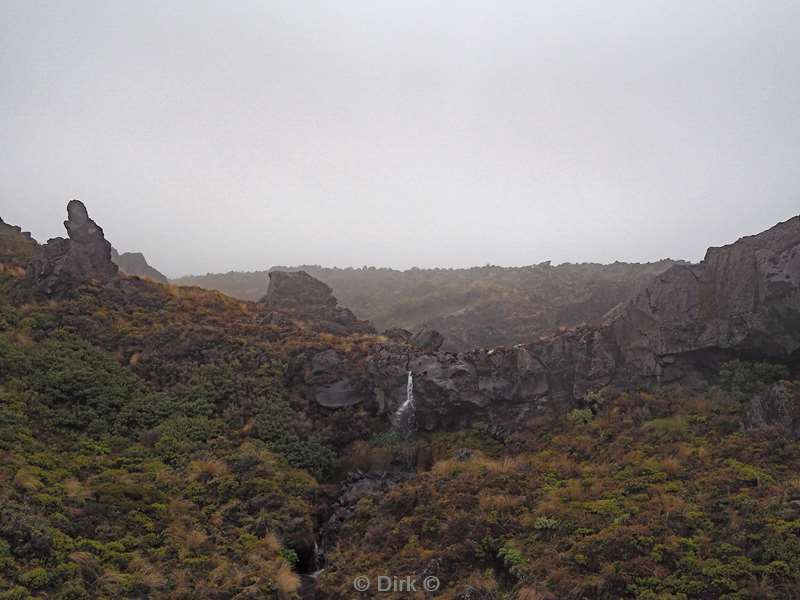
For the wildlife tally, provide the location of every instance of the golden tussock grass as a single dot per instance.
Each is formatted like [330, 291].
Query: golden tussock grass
[286, 581]
[146, 574]
[195, 539]
[480, 463]
[76, 490]
[27, 481]
[271, 542]
[209, 467]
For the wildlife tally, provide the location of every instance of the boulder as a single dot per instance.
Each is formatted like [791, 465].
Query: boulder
[428, 339]
[63, 264]
[309, 299]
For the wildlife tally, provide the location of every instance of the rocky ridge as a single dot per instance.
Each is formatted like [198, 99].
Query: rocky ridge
[742, 300]
[472, 308]
[134, 263]
[17, 247]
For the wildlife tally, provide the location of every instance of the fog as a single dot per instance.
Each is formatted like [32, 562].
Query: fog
[216, 136]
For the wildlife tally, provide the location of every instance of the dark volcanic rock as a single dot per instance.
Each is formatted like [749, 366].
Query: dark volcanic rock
[473, 593]
[311, 300]
[298, 291]
[134, 263]
[64, 263]
[428, 339]
[742, 301]
[778, 407]
[743, 298]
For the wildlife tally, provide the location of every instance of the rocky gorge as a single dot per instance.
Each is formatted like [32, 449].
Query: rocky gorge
[742, 300]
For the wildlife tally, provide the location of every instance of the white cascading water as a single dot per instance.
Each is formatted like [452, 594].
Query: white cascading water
[404, 419]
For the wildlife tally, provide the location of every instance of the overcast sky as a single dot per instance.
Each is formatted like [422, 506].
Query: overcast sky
[238, 135]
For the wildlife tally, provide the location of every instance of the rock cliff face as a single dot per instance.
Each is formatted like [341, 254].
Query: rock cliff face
[63, 263]
[134, 263]
[743, 300]
[309, 299]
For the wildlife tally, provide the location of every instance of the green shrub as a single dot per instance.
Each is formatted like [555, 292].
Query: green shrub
[748, 378]
[580, 416]
[544, 523]
[290, 556]
[16, 593]
[35, 579]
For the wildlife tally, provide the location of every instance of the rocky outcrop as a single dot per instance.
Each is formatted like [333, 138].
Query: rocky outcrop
[309, 299]
[427, 339]
[743, 300]
[777, 407]
[134, 263]
[17, 248]
[64, 263]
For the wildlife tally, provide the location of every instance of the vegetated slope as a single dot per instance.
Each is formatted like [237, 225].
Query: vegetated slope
[477, 307]
[642, 496]
[150, 448]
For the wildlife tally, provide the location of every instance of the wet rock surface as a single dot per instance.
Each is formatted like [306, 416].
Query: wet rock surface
[743, 300]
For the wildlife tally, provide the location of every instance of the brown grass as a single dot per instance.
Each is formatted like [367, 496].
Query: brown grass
[271, 543]
[27, 481]
[671, 466]
[204, 469]
[76, 490]
[195, 539]
[146, 574]
[286, 581]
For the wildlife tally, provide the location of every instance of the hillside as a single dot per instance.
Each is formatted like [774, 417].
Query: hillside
[477, 307]
[173, 442]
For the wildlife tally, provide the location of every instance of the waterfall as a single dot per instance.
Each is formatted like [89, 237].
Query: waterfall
[404, 420]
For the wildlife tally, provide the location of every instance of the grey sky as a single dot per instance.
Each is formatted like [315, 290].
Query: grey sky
[238, 135]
